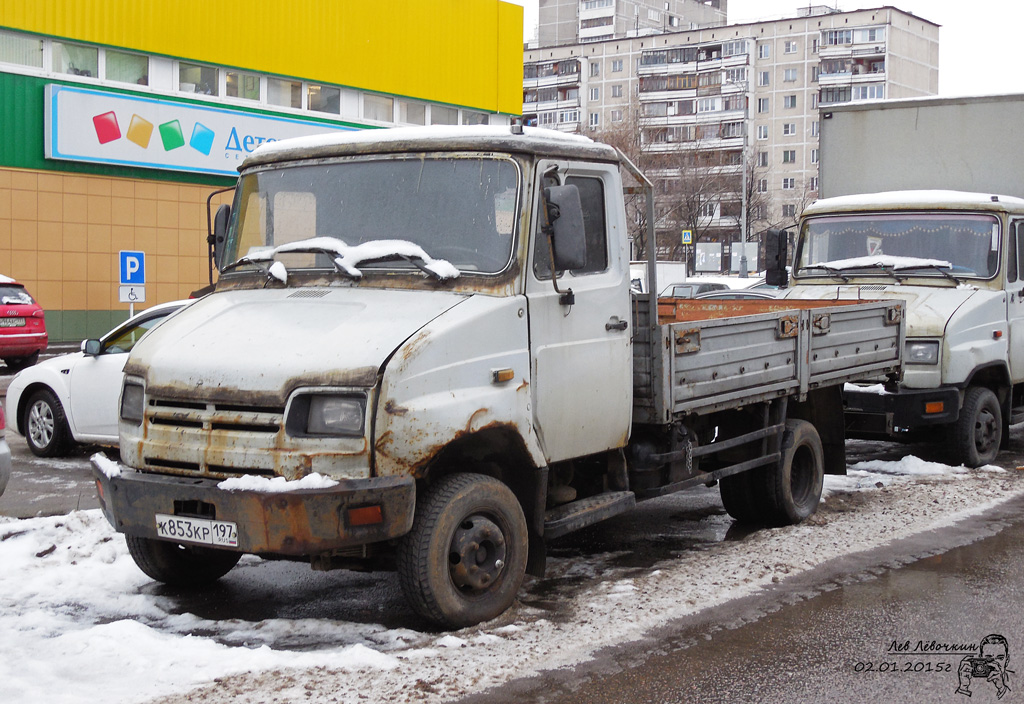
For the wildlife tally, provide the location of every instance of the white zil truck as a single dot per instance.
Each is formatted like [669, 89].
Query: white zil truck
[925, 204]
[422, 354]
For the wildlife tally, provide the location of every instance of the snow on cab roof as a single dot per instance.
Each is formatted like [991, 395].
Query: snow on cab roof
[438, 137]
[887, 200]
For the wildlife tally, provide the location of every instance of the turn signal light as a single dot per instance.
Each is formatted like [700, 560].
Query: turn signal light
[365, 516]
[934, 407]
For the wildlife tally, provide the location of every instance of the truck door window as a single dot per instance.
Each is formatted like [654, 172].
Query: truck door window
[594, 224]
[1011, 255]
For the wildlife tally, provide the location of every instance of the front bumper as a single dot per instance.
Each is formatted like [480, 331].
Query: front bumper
[868, 413]
[293, 523]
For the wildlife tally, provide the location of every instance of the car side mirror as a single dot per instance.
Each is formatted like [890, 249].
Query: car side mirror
[565, 220]
[220, 232]
[775, 258]
[91, 348]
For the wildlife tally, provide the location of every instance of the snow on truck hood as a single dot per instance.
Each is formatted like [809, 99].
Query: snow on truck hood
[928, 309]
[258, 345]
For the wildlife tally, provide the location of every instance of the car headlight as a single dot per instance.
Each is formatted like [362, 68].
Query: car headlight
[921, 352]
[132, 402]
[330, 415]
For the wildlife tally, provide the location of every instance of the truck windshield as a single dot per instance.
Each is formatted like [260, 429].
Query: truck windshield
[949, 245]
[396, 212]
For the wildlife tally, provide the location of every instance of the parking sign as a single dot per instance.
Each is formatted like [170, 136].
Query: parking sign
[133, 268]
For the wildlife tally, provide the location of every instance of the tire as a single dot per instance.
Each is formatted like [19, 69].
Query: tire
[180, 565]
[978, 431]
[465, 557]
[742, 495]
[45, 425]
[793, 486]
[18, 363]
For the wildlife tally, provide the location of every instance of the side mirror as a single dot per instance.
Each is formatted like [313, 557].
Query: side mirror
[92, 348]
[776, 244]
[220, 231]
[565, 220]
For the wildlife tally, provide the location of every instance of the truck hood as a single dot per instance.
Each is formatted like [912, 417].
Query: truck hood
[272, 341]
[928, 309]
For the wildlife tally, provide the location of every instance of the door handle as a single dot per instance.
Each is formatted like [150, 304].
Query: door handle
[614, 324]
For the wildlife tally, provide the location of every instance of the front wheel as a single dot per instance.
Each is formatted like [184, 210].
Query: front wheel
[45, 425]
[978, 431]
[180, 565]
[465, 557]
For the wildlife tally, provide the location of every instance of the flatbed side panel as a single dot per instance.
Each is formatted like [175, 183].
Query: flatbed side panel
[853, 342]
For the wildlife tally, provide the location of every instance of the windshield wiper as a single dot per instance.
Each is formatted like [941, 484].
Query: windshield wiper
[246, 260]
[331, 254]
[417, 262]
[831, 271]
[939, 268]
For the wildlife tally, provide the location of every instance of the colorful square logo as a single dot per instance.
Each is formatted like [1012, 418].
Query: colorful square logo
[202, 139]
[107, 129]
[140, 130]
[170, 134]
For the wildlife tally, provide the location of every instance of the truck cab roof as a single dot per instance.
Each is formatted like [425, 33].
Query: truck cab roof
[406, 140]
[916, 200]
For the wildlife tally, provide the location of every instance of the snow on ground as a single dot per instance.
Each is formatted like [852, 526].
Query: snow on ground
[78, 621]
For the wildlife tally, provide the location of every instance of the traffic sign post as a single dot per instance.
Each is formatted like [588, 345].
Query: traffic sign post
[132, 268]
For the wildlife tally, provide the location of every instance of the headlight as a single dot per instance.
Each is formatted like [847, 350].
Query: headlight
[132, 403]
[329, 415]
[916, 352]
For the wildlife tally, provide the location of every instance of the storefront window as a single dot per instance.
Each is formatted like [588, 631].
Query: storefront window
[284, 93]
[21, 49]
[376, 107]
[474, 118]
[443, 116]
[324, 99]
[243, 85]
[76, 60]
[127, 68]
[412, 113]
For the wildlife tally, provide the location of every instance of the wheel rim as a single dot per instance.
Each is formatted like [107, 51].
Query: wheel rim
[477, 555]
[801, 476]
[986, 430]
[40, 424]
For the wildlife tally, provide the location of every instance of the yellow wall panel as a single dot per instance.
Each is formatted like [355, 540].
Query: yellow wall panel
[450, 51]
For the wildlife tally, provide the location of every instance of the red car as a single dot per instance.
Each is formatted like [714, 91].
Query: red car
[22, 326]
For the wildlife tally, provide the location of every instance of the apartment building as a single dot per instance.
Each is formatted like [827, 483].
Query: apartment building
[573, 21]
[726, 117]
[117, 121]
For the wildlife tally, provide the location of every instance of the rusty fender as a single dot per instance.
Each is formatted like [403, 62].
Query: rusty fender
[292, 523]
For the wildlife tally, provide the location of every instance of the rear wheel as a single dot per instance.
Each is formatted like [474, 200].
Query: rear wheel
[465, 557]
[180, 565]
[743, 495]
[19, 363]
[978, 431]
[793, 487]
[45, 425]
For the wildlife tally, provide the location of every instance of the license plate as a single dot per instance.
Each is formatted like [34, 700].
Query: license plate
[197, 530]
[12, 322]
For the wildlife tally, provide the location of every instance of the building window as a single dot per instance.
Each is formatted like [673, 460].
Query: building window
[873, 92]
[790, 47]
[440, 115]
[789, 156]
[617, 91]
[814, 156]
[736, 75]
[764, 51]
[595, 69]
[616, 65]
[616, 116]
[20, 49]
[193, 78]
[708, 210]
[284, 93]
[471, 117]
[569, 116]
[547, 118]
[323, 99]
[76, 60]
[762, 131]
[837, 37]
[789, 129]
[789, 76]
[595, 119]
[762, 185]
[127, 68]
[733, 48]
[815, 43]
[788, 184]
[788, 210]
[708, 105]
[764, 78]
[762, 104]
[412, 113]
[839, 94]
[762, 159]
[813, 185]
[241, 85]
[595, 93]
[814, 128]
[789, 101]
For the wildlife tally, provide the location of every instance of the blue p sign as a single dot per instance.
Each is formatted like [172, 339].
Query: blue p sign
[133, 268]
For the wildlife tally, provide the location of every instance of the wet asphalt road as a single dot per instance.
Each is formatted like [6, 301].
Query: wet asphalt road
[827, 636]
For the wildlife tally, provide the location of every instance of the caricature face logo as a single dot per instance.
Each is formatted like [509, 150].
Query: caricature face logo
[991, 665]
[140, 132]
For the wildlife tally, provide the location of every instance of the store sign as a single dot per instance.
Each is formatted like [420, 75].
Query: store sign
[125, 130]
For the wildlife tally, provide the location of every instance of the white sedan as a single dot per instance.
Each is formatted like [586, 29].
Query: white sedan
[73, 398]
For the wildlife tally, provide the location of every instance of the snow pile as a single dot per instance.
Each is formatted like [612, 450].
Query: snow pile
[884, 261]
[106, 465]
[349, 257]
[78, 620]
[276, 485]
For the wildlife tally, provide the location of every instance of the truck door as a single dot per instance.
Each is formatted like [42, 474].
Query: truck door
[1015, 298]
[580, 353]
